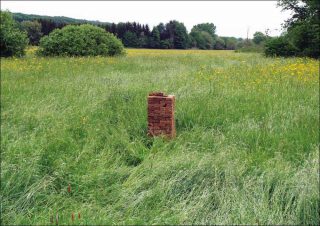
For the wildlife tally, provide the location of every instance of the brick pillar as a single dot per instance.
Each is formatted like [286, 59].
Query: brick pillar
[161, 115]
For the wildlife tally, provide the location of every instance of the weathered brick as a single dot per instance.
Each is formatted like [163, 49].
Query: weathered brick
[161, 114]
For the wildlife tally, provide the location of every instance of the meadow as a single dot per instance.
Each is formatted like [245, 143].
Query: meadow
[246, 151]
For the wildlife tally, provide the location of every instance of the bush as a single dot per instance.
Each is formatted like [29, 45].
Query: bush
[279, 46]
[83, 40]
[12, 41]
[305, 38]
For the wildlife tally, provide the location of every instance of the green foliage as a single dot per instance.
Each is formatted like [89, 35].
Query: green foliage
[230, 43]
[210, 28]
[166, 44]
[303, 30]
[12, 41]
[220, 44]
[172, 35]
[155, 38]
[305, 38]
[196, 40]
[181, 38]
[202, 40]
[179, 35]
[248, 46]
[203, 36]
[143, 40]
[303, 11]
[257, 44]
[259, 37]
[83, 40]
[279, 46]
[56, 19]
[33, 29]
[130, 39]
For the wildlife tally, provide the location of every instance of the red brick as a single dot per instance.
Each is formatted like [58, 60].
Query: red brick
[161, 114]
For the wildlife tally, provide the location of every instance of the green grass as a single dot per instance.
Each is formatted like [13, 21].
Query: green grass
[246, 151]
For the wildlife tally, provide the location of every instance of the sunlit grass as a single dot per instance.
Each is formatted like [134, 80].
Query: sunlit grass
[246, 150]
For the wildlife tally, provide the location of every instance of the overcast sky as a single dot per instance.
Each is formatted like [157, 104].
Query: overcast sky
[232, 18]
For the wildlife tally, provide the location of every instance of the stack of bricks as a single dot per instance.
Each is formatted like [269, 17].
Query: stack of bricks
[161, 115]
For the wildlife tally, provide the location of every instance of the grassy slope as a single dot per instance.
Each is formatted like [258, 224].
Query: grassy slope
[246, 150]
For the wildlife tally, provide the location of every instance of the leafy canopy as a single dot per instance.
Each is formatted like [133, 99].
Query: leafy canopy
[83, 40]
[303, 30]
[12, 41]
[33, 29]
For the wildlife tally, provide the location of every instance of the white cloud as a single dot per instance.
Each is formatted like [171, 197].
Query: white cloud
[232, 18]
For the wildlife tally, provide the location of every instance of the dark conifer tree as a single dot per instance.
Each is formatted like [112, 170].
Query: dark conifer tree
[155, 38]
[147, 30]
[113, 28]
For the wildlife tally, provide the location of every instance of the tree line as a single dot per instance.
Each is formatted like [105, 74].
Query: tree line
[301, 36]
[171, 35]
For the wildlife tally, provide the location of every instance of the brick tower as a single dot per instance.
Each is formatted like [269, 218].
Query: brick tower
[161, 115]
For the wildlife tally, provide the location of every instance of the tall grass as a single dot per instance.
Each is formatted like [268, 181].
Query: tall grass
[246, 150]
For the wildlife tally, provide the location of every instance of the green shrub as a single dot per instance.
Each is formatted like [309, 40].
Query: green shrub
[83, 40]
[12, 41]
[279, 46]
[166, 44]
[306, 38]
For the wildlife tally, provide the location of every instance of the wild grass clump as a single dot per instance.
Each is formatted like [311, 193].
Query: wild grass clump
[246, 150]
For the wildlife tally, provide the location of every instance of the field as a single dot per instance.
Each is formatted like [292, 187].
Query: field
[246, 151]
